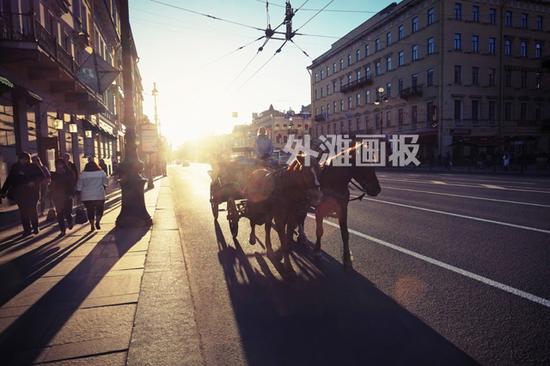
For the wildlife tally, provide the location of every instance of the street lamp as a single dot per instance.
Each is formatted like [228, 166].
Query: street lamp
[381, 97]
[133, 212]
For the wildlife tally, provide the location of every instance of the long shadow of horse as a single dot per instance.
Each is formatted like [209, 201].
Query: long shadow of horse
[23, 340]
[319, 314]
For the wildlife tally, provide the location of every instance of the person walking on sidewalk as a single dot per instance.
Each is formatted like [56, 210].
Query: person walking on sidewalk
[23, 186]
[62, 188]
[71, 165]
[91, 189]
[44, 184]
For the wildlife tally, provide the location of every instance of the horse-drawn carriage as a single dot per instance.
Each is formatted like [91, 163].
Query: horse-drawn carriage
[229, 178]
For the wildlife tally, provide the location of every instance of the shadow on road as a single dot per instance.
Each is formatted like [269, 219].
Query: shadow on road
[318, 314]
[25, 338]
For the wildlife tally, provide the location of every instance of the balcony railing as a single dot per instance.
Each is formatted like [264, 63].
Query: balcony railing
[26, 28]
[411, 92]
[356, 84]
[321, 117]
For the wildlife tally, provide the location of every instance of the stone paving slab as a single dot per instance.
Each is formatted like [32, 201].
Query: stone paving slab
[112, 359]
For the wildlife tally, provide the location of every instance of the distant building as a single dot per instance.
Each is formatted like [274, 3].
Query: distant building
[280, 124]
[465, 76]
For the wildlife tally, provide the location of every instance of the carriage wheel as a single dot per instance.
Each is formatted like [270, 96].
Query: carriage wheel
[213, 203]
[232, 217]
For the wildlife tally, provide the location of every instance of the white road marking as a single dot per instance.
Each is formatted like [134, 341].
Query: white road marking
[460, 271]
[471, 197]
[438, 182]
[492, 186]
[530, 228]
[467, 185]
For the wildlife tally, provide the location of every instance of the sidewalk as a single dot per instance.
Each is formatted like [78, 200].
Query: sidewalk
[113, 297]
[513, 171]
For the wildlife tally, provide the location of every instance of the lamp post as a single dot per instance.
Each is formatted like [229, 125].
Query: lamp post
[381, 97]
[133, 212]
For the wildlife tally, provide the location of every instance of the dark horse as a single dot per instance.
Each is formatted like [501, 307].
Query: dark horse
[282, 196]
[335, 181]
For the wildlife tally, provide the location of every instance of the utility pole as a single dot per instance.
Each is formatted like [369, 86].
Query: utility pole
[289, 14]
[133, 212]
[154, 93]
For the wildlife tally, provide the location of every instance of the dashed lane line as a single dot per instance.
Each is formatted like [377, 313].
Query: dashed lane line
[487, 281]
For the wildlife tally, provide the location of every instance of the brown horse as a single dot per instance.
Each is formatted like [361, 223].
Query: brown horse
[335, 182]
[282, 196]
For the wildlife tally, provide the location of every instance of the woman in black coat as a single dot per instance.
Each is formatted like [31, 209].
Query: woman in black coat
[62, 189]
[23, 187]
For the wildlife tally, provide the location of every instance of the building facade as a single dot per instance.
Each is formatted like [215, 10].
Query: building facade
[61, 87]
[466, 76]
[281, 124]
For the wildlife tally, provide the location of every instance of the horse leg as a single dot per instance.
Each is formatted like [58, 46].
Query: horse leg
[302, 238]
[252, 238]
[268, 235]
[343, 222]
[318, 232]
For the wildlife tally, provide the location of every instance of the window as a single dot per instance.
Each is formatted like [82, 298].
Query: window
[400, 32]
[400, 117]
[367, 50]
[399, 86]
[414, 53]
[388, 63]
[538, 50]
[475, 110]
[377, 120]
[458, 74]
[414, 81]
[458, 110]
[367, 96]
[322, 74]
[349, 78]
[367, 72]
[341, 105]
[430, 16]
[377, 45]
[430, 77]
[341, 64]
[357, 74]
[523, 111]
[388, 39]
[475, 43]
[316, 77]
[334, 68]
[430, 113]
[357, 55]
[508, 111]
[492, 73]
[475, 75]
[524, 79]
[414, 24]
[538, 80]
[475, 13]
[414, 115]
[539, 22]
[358, 99]
[431, 46]
[334, 86]
[349, 59]
[458, 11]
[492, 45]
[524, 20]
[493, 16]
[334, 107]
[388, 119]
[401, 58]
[492, 111]
[388, 90]
[508, 47]
[508, 78]
[458, 41]
[377, 68]
[508, 18]
[523, 48]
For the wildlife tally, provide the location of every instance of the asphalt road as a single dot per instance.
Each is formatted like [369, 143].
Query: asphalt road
[449, 269]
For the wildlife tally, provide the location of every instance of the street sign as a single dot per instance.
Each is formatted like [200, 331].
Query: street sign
[149, 141]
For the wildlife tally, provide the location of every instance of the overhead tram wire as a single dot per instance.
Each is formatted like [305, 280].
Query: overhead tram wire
[235, 50]
[315, 15]
[301, 49]
[206, 15]
[264, 65]
[328, 10]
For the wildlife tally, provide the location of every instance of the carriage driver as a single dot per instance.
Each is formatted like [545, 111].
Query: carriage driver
[264, 146]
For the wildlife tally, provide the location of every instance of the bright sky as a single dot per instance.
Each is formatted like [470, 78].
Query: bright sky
[198, 91]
